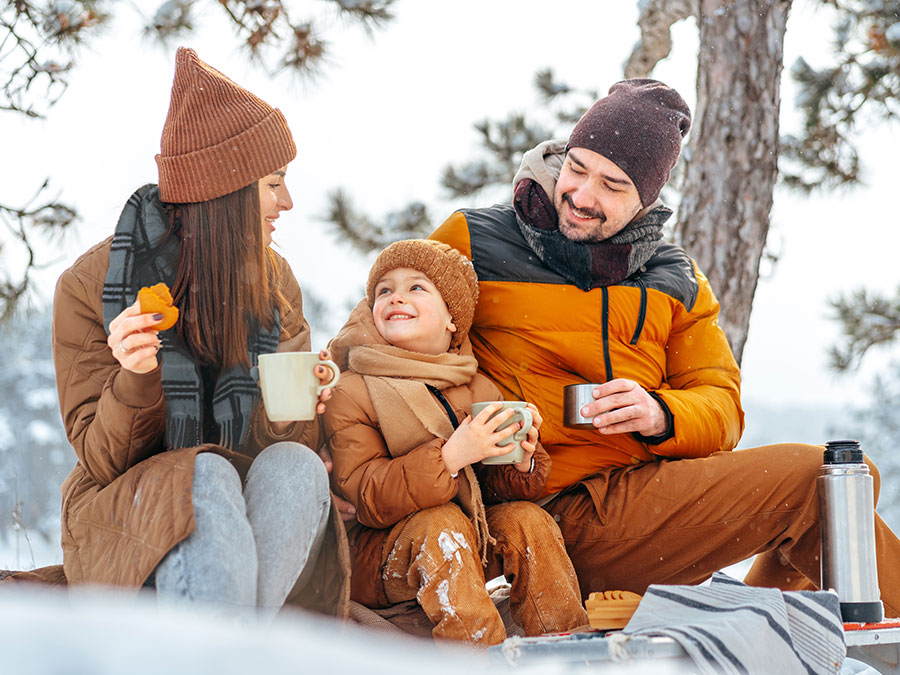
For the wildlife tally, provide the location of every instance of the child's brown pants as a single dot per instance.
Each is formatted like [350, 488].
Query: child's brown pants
[436, 562]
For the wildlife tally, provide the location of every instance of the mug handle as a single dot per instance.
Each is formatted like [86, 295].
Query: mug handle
[334, 380]
[525, 414]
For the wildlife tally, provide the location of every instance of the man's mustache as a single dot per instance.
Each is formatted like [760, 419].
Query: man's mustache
[591, 214]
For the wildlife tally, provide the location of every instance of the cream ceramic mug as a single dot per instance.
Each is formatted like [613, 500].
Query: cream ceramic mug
[290, 388]
[523, 415]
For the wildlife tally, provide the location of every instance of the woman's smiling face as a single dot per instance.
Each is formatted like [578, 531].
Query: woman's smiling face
[273, 199]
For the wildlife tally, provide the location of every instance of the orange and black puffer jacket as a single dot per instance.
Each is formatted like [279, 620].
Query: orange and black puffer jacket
[534, 332]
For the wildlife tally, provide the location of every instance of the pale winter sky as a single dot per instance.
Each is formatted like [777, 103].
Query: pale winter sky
[390, 112]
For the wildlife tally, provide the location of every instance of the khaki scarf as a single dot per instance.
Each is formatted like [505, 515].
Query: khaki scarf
[409, 415]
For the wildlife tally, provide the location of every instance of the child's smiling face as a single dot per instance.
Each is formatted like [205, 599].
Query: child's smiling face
[410, 313]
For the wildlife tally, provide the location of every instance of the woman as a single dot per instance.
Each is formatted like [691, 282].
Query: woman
[166, 425]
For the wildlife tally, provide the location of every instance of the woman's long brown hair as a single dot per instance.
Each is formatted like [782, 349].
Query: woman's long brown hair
[227, 278]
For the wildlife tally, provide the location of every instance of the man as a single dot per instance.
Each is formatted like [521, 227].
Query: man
[576, 286]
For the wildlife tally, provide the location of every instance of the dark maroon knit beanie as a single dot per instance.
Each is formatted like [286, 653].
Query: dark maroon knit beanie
[638, 127]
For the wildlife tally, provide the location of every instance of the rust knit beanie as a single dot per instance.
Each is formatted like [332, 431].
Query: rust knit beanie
[638, 127]
[218, 137]
[450, 271]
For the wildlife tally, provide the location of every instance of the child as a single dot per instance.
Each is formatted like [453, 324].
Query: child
[407, 455]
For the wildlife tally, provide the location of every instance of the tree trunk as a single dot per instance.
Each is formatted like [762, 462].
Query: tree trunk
[655, 20]
[731, 162]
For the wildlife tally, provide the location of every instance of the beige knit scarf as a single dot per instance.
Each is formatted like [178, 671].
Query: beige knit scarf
[409, 415]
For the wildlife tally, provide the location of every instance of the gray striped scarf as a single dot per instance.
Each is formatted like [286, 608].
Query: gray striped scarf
[728, 627]
[142, 255]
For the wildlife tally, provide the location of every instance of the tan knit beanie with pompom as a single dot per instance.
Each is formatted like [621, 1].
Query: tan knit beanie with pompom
[218, 137]
[450, 271]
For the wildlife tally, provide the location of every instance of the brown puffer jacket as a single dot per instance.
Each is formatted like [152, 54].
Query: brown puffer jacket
[386, 489]
[127, 502]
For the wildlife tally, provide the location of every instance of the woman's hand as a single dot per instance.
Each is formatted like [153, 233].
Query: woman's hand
[476, 438]
[132, 340]
[325, 375]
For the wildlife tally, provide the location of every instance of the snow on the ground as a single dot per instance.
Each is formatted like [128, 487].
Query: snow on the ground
[105, 633]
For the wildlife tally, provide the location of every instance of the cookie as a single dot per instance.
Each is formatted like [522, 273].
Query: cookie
[158, 300]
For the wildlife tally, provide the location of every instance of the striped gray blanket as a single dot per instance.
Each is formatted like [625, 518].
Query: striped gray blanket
[728, 627]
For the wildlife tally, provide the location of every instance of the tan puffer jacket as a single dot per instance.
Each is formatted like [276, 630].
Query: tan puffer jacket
[386, 489]
[127, 502]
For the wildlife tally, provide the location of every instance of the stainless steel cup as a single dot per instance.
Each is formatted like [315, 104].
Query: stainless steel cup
[574, 398]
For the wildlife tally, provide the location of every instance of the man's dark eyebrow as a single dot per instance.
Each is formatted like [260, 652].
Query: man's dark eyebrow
[278, 173]
[618, 181]
[608, 179]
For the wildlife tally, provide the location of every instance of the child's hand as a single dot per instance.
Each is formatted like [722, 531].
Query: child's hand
[536, 419]
[477, 438]
[529, 445]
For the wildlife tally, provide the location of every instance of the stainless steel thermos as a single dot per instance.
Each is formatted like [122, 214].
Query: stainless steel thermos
[847, 521]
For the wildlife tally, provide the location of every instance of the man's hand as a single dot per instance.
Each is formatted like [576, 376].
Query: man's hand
[623, 406]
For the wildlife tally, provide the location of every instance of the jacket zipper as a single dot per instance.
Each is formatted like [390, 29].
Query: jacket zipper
[454, 420]
[605, 312]
[642, 314]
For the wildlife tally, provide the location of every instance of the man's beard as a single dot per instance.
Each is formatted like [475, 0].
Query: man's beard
[573, 233]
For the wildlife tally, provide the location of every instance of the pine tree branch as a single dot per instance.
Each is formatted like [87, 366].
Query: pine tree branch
[867, 320]
[548, 86]
[52, 219]
[266, 26]
[836, 99]
[38, 46]
[505, 142]
[364, 234]
[372, 14]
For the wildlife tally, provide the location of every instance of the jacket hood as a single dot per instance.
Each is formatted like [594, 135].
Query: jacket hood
[542, 164]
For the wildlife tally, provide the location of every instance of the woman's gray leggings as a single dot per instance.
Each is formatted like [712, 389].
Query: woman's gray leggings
[250, 548]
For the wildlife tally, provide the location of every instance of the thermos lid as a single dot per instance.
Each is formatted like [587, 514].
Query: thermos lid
[843, 452]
